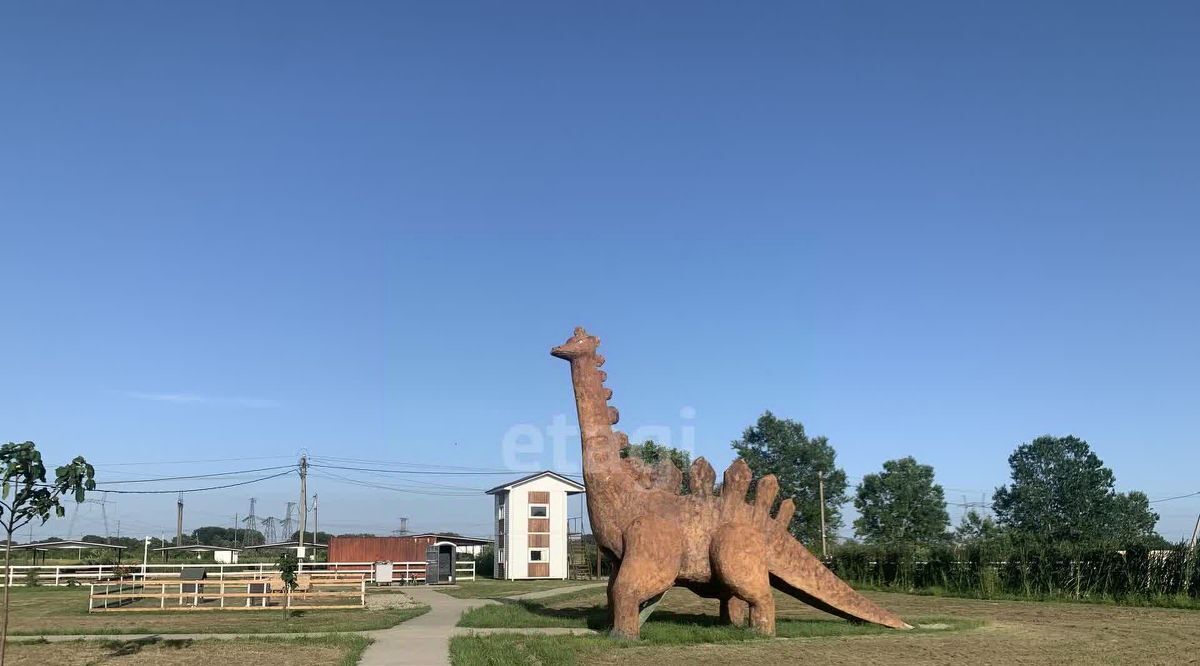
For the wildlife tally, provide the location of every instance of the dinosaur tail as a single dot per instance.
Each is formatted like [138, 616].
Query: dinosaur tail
[797, 572]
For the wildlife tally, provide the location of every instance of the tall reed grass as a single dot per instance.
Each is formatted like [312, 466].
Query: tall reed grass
[1135, 575]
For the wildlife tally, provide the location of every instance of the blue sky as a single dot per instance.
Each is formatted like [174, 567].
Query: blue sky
[929, 229]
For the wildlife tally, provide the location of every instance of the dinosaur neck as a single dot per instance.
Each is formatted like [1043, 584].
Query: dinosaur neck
[601, 451]
[609, 483]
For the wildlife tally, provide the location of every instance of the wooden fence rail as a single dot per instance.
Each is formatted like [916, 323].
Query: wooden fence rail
[121, 595]
[60, 575]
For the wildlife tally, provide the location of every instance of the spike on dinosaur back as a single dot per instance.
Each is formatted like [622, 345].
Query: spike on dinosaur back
[783, 518]
[643, 474]
[764, 496]
[622, 440]
[702, 477]
[737, 480]
[667, 476]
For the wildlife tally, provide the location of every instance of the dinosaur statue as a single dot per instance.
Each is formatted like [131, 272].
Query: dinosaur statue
[718, 546]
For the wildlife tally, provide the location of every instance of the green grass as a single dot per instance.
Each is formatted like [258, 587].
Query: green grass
[667, 626]
[485, 588]
[63, 610]
[669, 629]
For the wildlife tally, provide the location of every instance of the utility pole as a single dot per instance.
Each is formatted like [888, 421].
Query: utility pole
[821, 497]
[1195, 529]
[179, 521]
[303, 504]
[316, 525]
[235, 530]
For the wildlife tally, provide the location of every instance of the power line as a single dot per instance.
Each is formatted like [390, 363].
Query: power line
[380, 486]
[189, 462]
[194, 490]
[424, 472]
[405, 463]
[1168, 499]
[201, 476]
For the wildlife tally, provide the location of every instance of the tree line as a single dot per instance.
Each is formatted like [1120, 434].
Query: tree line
[1060, 495]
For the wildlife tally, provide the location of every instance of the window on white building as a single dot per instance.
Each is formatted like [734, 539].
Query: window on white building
[537, 555]
[539, 510]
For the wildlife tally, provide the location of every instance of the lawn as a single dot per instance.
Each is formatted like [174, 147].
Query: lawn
[486, 588]
[682, 633]
[340, 649]
[63, 610]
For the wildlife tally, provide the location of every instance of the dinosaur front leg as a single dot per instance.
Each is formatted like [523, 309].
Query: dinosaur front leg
[653, 549]
[734, 611]
[739, 559]
[612, 581]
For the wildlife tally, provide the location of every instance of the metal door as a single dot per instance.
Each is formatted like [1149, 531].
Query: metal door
[446, 565]
[431, 565]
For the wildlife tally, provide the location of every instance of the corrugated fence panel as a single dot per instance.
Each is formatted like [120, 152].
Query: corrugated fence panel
[378, 549]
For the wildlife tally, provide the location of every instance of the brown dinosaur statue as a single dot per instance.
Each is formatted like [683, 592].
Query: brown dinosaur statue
[718, 546]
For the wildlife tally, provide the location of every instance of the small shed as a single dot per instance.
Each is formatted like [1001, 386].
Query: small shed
[220, 554]
[440, 559]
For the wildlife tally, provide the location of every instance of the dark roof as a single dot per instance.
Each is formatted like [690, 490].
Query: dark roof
[535, 475]
[64, 544]
[195, 548]
[452, 537]
[284, 544]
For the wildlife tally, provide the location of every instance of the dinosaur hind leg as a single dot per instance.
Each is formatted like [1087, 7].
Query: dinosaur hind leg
[734, 611]
[739, 559]
[649, 567]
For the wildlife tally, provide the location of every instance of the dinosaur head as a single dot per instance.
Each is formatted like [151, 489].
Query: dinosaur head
[577, 346]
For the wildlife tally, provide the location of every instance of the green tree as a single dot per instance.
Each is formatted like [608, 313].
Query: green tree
[901, 505]
[213, 535]
[323, 537]
[288, 565]
[26, 496]
[652, 452]
[1062, 494]
[781, 447]
[977, 529]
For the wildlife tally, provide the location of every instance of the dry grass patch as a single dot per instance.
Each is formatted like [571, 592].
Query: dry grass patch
[343, 649]
[1016, 632]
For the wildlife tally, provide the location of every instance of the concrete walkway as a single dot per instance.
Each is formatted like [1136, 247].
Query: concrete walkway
[555, 591]
[424, 640]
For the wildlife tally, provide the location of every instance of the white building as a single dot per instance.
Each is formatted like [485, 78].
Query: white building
[531, 526]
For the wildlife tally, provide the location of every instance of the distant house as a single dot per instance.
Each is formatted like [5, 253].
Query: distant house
[531, 526]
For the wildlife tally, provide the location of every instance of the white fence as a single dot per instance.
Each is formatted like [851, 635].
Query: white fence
[406, 572]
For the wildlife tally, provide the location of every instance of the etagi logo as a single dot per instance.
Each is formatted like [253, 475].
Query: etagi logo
[527, 447]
